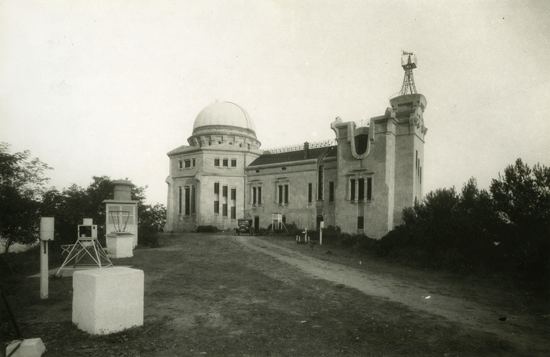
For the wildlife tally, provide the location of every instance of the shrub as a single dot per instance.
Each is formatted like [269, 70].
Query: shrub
[331, 235]
[393, 241]
[522, 199]
[348, 240]
[261, 232]
[507, 228]
[313, 235]
[20, 264]
[207, 229]
[148, 236]
[293, 229]
[365, 243]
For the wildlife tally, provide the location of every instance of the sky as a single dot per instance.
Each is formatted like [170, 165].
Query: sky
[107, 87]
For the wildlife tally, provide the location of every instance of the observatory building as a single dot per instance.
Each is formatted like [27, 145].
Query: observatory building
[360, 181]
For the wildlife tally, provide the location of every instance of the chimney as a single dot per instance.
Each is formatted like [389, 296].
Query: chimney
[306, 150]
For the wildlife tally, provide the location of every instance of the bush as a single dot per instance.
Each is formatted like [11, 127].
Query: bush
[313, 235]
[506, 229]
[356, 241]
[331, 235]
[261, 232]
[279, 232]
[347, 240]
[22, 264]
[522, 199]
[393, 241]
[148, 236]
[293, 229]
[207, 229]
[365, 243]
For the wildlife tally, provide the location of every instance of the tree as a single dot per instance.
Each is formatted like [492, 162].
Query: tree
[153, 216]
[22, 184]
[75, 203]
[505, 228]
[474, 221]
[523, 194]
[151, 221]
[522, 197]
[429, 224]
[452, 228]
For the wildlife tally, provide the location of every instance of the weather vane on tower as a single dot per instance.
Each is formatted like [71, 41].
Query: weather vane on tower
[408, 62]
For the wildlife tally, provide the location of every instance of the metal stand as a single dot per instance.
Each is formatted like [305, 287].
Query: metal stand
[408, 62]
[87, 247]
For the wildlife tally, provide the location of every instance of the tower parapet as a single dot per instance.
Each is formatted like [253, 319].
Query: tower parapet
[411, 107]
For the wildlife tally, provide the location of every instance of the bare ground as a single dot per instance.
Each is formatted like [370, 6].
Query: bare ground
[215, 295]
[479, 309]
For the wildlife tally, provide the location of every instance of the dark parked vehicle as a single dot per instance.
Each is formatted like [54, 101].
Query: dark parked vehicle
[245, 226]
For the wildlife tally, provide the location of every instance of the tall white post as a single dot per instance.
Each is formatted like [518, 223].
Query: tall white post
[44, 287]
[46, 234]
[321, 226]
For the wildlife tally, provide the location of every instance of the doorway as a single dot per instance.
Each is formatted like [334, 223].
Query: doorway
[319, 220]
[256, 223]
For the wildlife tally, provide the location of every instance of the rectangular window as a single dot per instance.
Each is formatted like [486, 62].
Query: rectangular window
[253, 195]
[216, 162]
[180, 201]
[233, 193]
[217, 207]
[233, 162]
[369, 188]
[233, 212]
[280, 194]
[224, 209]
[360, 222]
[361, 189]
[187, 164]
[193, 162]
[309, 192]
[192, 199]
[352, 189]
[187, 201]
[225, 161]
[224, 191]
[320, 184]
[331, 191]
[216, 188]
[259, 195]
[180, 164]
[286, 194]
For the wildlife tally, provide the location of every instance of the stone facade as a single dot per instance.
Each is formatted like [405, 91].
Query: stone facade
[360, 182]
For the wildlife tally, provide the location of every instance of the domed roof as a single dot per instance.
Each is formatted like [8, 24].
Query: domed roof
[224, 114]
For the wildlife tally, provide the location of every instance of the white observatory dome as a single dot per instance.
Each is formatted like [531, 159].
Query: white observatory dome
[224, 114]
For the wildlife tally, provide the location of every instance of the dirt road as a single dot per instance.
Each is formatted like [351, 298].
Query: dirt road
[448, 301]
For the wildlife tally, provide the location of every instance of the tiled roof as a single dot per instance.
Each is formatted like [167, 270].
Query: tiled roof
[293, 156]
[182, 149]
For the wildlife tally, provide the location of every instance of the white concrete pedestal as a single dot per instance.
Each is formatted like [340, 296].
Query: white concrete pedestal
[108, 300]
[31, 347]
[120, 245]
